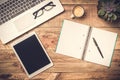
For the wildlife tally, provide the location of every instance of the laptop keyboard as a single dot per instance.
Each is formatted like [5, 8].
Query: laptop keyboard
[12, 8]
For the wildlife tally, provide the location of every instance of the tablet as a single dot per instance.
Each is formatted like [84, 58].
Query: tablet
[31, 54]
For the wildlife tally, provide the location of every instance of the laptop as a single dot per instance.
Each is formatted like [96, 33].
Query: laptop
[20, 16]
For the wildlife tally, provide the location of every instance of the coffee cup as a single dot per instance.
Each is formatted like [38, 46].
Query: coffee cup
[77, 11]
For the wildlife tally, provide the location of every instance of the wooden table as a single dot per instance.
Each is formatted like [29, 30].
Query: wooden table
[65, 68]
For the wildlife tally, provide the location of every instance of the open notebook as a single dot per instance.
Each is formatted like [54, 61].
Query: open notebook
[87, 43]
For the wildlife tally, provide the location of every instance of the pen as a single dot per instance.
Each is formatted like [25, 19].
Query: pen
[98, 47]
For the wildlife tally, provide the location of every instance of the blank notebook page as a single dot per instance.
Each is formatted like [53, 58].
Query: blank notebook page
[106, 42]
[72, 39]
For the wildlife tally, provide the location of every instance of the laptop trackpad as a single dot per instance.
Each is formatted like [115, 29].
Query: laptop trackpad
[24, 22]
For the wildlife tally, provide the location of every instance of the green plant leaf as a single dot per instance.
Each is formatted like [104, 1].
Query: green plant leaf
[110, 15]
[109, 9]
[101, 12]
[106, 16]
[114, 17]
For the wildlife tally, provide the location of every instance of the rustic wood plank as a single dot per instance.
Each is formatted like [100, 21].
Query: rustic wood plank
[90, 76]
[23, 76]
[53, 76]
[78, 1]
[64, 76]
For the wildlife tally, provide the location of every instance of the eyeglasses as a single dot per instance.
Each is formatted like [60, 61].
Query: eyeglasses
[40, 11]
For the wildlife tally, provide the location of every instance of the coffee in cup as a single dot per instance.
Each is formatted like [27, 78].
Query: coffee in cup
[77, 12]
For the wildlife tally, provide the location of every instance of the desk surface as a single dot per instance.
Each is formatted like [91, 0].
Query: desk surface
[65, 68]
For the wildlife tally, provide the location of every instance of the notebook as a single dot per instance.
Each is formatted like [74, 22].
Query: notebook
[86, 43]
[31, 54]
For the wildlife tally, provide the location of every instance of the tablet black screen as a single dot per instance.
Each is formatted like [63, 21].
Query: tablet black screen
[31, 54]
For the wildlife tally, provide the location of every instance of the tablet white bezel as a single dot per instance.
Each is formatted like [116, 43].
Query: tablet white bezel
[39, 70]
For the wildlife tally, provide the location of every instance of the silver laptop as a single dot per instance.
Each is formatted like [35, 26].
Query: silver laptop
[19, 16]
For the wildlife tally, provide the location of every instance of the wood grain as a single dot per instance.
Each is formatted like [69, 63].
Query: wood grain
[78, 1]
[65, 68]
